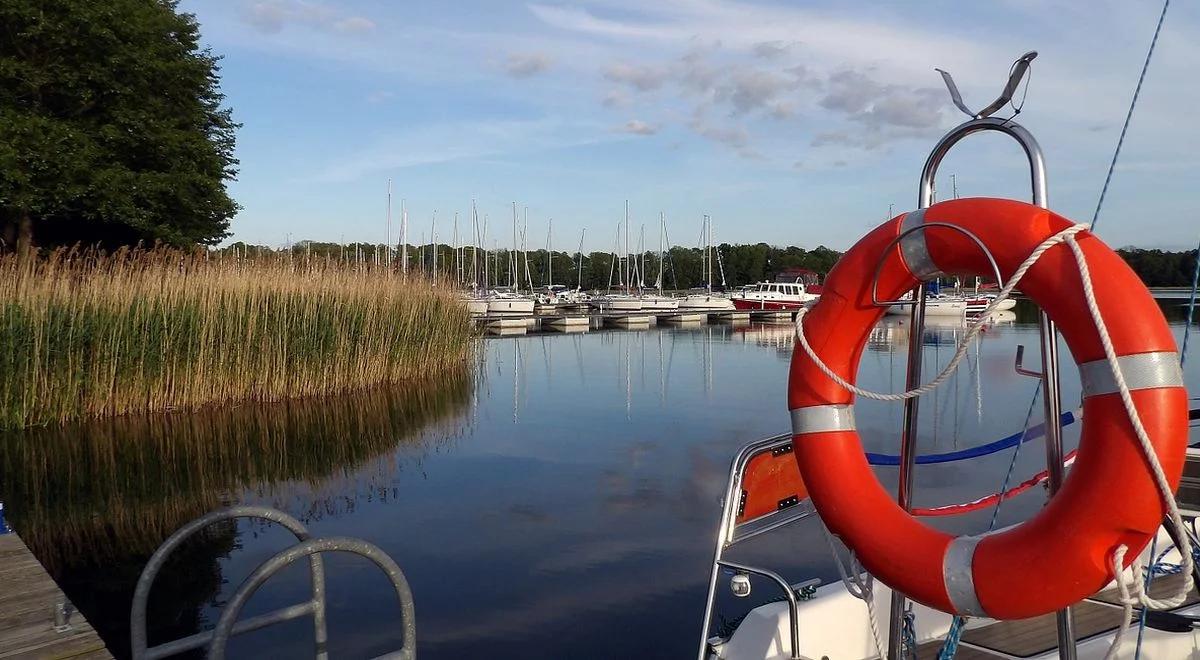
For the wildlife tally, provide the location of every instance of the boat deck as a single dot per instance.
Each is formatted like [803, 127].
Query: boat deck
[28, 601]
[1025, 638]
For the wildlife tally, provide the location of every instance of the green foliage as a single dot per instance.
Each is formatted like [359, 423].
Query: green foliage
[1159, 267]
[682, 267]
[111, 126]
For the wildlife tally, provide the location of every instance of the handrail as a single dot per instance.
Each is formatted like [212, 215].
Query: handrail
[141, 594]
[312, 548]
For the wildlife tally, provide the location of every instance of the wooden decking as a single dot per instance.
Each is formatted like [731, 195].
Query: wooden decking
[1024, 638]
[28, 600]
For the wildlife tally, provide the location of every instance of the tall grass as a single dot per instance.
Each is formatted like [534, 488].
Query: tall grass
[89, 334]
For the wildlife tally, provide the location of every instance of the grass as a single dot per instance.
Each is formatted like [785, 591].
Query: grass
[89, 334]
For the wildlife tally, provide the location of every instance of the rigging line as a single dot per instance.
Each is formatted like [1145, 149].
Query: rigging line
[950, 645]
[1129, 115]
[1187, 329]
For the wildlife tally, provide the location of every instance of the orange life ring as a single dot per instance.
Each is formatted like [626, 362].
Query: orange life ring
[1064, 553]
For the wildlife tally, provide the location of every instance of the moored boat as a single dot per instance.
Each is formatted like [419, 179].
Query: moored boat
[507, 303]
[773, 296]
[705, 302]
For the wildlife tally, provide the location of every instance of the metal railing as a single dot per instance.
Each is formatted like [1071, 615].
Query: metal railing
[228, 625]
[730, 532]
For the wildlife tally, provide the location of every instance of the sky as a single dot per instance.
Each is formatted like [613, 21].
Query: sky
[790, 123]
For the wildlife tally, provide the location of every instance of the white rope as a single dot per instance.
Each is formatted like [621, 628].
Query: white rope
[1130, 585]
[864, 590]
[961, 351]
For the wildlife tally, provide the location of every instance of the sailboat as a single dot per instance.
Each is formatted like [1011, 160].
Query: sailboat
[705, 299]
[477, 303]
[510, 301]
[627, 301]
[660, 302]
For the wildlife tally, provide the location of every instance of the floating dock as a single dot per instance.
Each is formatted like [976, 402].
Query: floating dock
[573, 320]
[36, 619]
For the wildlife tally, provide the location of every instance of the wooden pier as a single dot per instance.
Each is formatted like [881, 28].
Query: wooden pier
[582, 321]
[36, 619]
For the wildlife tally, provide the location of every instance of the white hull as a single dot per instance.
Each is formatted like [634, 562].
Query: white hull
[953, 307]
[705, 302]
[477, 306]
[659, 304]
[510, 306]
[835, 624]
[617, 304]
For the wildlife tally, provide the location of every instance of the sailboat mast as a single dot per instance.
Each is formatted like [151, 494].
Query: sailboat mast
[403, 239]
[550, 252]
[579, 287]
[628, 280]
[525, 248]
[512, 256]
[389, 221]
[457, 257]
[662, 232]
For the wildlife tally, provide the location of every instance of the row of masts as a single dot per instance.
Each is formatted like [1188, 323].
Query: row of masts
[470, 272]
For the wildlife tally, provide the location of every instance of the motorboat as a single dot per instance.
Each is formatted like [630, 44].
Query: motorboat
[773, 296]
[939, 304]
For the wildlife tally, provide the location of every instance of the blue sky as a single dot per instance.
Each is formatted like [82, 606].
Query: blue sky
[790, 123]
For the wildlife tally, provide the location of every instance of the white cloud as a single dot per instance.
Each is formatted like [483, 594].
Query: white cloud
[639, 127]
[643, 78]
[272, 16]
[771, 49]
[442, 143]
[354, 25]
[525, 65]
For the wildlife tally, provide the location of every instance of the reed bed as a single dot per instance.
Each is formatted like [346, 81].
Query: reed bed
[92, 334]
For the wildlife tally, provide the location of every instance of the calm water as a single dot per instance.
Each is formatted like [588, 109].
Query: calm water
[557, 500]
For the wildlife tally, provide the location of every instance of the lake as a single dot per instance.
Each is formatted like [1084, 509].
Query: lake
[557, 498]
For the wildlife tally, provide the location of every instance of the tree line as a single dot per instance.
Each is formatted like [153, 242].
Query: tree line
[683, 268]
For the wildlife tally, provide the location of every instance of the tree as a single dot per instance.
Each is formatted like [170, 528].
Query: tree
[111, 125]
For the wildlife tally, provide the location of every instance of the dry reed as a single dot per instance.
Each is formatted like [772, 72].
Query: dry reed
[89, 334]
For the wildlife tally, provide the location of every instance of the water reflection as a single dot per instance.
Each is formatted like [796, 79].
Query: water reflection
[71, 489]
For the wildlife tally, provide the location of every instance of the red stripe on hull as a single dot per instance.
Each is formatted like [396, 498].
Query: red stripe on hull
[769, 305]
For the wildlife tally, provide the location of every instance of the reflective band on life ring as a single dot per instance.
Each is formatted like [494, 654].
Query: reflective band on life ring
[1062, 554]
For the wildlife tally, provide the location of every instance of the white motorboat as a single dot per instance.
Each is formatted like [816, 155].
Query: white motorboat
[954, 305]
[773, 296]
[705, 302]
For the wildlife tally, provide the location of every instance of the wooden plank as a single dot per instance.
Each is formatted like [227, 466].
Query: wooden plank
[28, 597]
[929, 651]
[1029, 637]
[1160, 587]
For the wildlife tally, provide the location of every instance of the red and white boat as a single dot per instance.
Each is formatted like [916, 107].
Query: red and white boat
[792, 289]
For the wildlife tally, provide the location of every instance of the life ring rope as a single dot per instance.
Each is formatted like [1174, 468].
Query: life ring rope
[1129, 583]
[961, 350]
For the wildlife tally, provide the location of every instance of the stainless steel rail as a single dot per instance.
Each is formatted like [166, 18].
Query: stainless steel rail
[141, 594]
[225, 625]
[1049, 343]
[729, 533]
